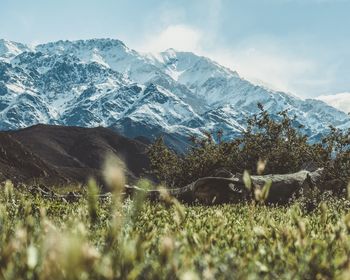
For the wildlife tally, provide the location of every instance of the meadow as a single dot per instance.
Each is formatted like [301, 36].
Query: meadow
[131, 237]
[117, 238]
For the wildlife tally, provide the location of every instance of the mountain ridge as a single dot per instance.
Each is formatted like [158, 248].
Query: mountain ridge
[102, 82]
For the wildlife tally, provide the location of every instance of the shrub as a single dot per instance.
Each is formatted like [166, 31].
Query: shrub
[336, 155]
[274, 140]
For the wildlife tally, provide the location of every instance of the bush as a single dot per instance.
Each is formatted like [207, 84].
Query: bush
[336, 156]
[274, 141]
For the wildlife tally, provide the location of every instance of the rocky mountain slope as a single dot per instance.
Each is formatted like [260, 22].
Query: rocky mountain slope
[102, 82]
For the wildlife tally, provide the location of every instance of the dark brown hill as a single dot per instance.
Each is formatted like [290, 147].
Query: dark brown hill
[61, 155]
[20, 164]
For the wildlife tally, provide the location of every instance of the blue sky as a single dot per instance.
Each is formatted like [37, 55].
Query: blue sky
[299, 46]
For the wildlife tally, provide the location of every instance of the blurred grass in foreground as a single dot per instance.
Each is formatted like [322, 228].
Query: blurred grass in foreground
[136, 239]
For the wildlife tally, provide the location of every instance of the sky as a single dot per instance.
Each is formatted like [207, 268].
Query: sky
[298, 46]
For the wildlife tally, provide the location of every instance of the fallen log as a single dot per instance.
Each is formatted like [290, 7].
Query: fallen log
[285, 186]
[209, 190]
[214, 190]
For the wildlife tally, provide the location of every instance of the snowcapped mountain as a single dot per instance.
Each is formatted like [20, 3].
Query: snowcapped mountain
[9, 49]
[102, 82]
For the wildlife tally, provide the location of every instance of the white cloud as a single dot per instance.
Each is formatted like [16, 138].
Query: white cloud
[340, 101]
[267, 65]
[179, 37]
[263, 61]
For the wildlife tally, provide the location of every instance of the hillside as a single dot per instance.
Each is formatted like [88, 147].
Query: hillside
[63, 155]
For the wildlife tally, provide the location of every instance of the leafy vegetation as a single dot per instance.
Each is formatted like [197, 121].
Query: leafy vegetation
[118, 238]
[274, 142]
[336, 148]
[92, 239]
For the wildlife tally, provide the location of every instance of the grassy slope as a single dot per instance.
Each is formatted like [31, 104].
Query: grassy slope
[45, 239]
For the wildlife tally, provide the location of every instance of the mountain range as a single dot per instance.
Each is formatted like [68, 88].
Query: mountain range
[102, 82]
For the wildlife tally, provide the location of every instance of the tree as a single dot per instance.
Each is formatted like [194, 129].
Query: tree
[273, 139]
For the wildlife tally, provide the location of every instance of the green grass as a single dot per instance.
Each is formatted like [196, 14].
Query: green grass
[90, 239]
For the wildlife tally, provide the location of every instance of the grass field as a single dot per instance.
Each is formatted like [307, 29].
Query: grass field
[136, 239]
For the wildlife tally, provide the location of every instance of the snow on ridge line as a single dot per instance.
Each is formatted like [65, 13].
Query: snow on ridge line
[82, 92]
[160, 57]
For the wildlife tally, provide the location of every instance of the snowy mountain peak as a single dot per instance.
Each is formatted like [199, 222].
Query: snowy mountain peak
[81, 45]
[9, 49]
[102, 82]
